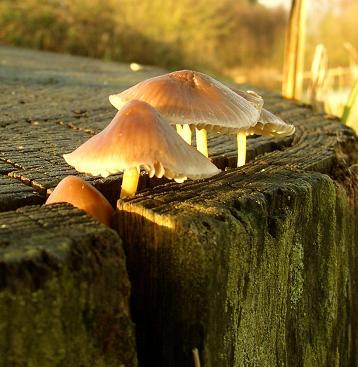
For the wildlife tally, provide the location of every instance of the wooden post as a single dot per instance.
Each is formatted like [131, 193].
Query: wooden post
[294, 52]
[64, 291]
[255, 266]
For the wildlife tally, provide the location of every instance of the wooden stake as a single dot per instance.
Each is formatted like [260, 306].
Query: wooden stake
[294, 51]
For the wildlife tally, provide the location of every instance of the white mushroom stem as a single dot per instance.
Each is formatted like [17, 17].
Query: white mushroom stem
[129, 182]
[202, 141]
[186, 134]
[241, 148]
[196, 357]
[179, 129]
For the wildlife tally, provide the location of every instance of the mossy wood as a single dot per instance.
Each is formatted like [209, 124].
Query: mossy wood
[64, 291]
[254, 267]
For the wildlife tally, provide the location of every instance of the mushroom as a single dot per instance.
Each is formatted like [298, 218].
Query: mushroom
[84, 196]
[268, 123]
[199, 100]
[138, 138]
[271, 125]
[257, 101]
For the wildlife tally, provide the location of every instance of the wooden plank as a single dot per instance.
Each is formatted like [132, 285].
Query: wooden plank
[64, 291]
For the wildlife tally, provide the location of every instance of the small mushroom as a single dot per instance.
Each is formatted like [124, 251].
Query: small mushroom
[271, 125]
[257, 101]
[268, 123]
[84, 196]
[138, 138]
[196, 100]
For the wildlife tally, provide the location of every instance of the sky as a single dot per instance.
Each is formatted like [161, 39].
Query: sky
[274, 3]
[316, 8]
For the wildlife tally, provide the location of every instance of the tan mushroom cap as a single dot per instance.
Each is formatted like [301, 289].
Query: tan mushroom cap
[138, 136]
[84, 196]
[252, 97]
[268, 123]
[271, 125]
[190, 97]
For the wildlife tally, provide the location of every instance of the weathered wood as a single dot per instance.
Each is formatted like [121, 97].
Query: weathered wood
[50, 104]
[53, 103]
[64, 291]
[14, 194]
[255, 267]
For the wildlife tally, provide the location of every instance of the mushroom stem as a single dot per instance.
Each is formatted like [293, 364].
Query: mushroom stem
[129, 182]
[241, 148]
[202, 141]
[186, 134]
[179, 129]
[196, 357]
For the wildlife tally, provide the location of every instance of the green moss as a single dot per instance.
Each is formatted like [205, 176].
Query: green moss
[296, 271]
[63, 293]
[261, 278]
[47, 326]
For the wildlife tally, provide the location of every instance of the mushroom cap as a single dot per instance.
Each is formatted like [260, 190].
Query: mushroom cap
[271, 125]
[193, 98]
[84, 196]
[138, 136]
[268, 123]
[252, 97]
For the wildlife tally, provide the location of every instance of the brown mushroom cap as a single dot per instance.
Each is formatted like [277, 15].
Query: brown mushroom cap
[138, 136]
[190, 97]
[84, 196]
[268, 123]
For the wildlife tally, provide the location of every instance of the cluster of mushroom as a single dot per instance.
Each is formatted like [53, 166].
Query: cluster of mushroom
[140, 138]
